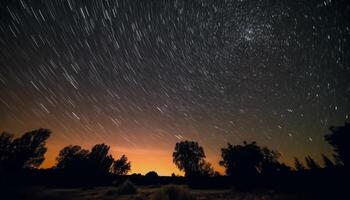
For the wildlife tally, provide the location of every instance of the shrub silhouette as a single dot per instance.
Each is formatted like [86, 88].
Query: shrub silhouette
[151, 174]
[339, 138]
[127, 188]
[189, 157]
[151, 177]
[26, 151]
[111, 192]
[250, 160]
[172, 192]
[121, 166]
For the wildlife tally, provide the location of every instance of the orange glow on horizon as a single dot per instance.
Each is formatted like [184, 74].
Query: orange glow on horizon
[142, 160]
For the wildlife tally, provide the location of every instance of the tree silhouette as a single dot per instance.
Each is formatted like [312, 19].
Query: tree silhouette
[311, 163]
[206, 169]
[327, 162]
[298, 165]
[24, 152]
[270, 164]
[121, 166]
[250, 160]
[188, 156]
[5, 150]
[151, 174]
[5, 146]
[339, 138]
[72, 159]
[151, 177]
[241, 159]
[95, 162]
[100, 161]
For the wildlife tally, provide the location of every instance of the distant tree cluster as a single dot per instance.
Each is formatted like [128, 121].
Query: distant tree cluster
[97, 161]
[28, 152]
[239, 160]
[249, 159]
[339, 138]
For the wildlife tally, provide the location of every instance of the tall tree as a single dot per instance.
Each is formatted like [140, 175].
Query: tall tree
[121, 166]
[188, 156]
[241, 159]
[5, 145]
[5, 150]
[250, 160]
[339, 138]
[100, 160]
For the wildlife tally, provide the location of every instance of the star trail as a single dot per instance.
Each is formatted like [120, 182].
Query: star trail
[142, 75]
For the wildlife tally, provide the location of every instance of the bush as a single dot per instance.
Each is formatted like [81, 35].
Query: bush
[117, 182]
[151, 178]
[152, 174]
[127, 188]
[111, 192]
[172, 192]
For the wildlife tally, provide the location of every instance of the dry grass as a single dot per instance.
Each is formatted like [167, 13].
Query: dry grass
[165, 192]
[172, 192]
[127, 188]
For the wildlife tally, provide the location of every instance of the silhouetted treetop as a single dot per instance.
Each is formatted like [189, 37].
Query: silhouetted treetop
[26, 151]
[5, 145]
[72, 158]
[311, 163]
[100, 160]
[250, 159]
[327, 162]
[121, 166]
[339, 138]
[188, 156]
[95, 162]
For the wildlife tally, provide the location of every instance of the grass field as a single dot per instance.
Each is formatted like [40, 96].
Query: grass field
[167, 192]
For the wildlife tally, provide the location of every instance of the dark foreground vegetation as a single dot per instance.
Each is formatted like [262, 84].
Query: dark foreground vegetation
[252, 172]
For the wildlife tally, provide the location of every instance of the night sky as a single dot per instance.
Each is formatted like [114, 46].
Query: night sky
[143, 75]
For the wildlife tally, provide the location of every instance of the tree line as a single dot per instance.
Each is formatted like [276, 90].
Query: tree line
[27, 152]
[250, 160]
[241, 160]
